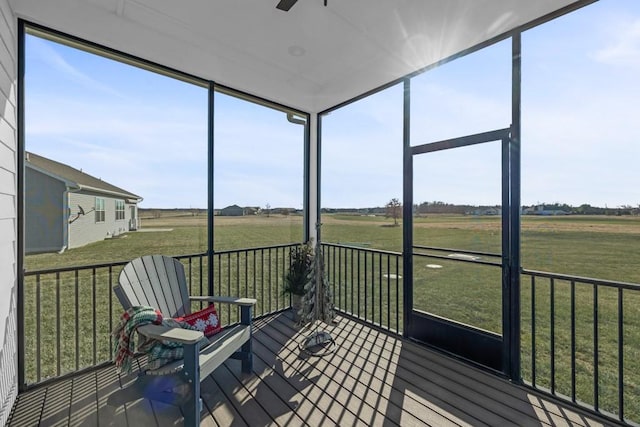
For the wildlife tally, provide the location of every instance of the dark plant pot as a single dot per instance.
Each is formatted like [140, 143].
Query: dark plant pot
[296, 305]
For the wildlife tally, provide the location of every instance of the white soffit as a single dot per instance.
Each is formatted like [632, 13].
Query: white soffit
[310, 58]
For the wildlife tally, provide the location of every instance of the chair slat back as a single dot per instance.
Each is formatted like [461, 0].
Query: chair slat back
[157, 281]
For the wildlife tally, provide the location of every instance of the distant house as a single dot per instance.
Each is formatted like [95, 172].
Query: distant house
[251, 210]
[483, 211]
[543, 210]
[67, 208]
[233, 210]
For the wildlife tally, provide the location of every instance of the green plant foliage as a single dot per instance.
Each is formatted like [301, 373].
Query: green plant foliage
[300, 271]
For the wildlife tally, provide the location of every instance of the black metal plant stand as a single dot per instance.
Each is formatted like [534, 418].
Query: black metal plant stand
[318, 307]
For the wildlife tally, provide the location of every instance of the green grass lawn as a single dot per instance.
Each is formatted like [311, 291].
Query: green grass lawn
[599, 247]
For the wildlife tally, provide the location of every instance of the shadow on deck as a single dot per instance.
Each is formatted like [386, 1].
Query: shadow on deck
[371, 379]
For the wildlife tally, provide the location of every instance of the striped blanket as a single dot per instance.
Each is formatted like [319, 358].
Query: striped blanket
[159, 352]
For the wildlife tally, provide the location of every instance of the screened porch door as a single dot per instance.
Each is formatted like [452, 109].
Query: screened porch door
[460, 246]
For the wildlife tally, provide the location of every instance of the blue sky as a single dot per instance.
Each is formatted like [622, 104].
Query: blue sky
[580, 122]
[147, 133]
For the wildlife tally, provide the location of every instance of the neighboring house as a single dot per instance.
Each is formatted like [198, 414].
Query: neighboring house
[485, 212]
[251, 210]
[233, 210]
[542, 210]
[67, 208]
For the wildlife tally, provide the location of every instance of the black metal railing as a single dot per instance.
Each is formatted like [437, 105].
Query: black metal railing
[256, 273]
[366, 284]
[581, 340]
[580, 336]
[68, 315]
[71, 311]
[476, 257]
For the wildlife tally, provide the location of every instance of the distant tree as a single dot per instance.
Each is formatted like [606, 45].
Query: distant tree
[585, 209]
[393, 209]
[267, 209]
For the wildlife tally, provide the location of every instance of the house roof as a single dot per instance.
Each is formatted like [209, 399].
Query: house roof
[74, 177]
[310, 58]
[232, 207]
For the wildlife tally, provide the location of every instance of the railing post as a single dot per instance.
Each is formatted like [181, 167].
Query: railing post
[620, 355]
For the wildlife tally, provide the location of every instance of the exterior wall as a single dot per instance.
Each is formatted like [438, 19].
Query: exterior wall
[8, 211]
[44, 211]
[85, 229]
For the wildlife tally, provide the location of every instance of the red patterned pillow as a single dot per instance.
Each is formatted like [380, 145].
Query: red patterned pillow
[205, 320]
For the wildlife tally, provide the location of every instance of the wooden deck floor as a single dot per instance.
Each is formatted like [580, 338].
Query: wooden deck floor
[371, 379]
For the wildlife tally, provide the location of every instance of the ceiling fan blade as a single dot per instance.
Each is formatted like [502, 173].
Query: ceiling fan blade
[286, 4]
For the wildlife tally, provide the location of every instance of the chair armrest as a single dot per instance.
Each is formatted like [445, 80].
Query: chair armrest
[167, 333]
[226, 300]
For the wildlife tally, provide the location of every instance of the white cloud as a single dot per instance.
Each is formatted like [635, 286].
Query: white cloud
[623, 47]
[39, 49]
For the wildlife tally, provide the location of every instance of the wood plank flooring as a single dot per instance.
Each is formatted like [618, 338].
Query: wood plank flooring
[371, 378]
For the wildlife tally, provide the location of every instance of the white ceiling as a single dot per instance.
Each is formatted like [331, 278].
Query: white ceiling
[310, 58]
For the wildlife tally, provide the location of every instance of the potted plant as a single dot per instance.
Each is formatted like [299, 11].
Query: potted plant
[300, 273]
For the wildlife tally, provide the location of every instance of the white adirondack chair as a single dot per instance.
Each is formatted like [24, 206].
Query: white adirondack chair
[159, 281]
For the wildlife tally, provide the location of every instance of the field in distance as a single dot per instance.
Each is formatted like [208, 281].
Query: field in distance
[605, 247]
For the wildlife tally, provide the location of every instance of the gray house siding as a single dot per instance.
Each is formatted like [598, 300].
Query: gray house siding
[44, 213]
[62, 207]
[84, 229]
[54, 220]
[8, 212]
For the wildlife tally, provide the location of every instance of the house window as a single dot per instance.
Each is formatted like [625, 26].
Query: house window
[119, 210]
[99, 209]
